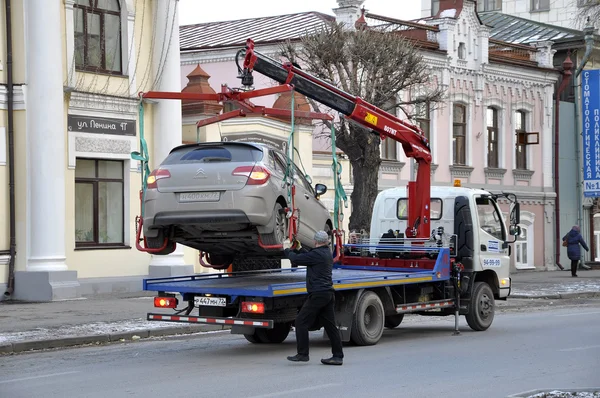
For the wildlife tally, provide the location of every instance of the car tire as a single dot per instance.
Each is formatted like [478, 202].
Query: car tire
[220, 261]
[255, 263]
[158, 242]
[280, 227]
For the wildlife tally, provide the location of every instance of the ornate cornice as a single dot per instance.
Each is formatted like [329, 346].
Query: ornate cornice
[461, 171]
[523, 175]
[492, 172]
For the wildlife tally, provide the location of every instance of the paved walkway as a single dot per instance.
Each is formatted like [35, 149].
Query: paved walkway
[119, 317]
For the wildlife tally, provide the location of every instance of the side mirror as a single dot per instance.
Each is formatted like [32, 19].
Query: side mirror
[514, 230]
[320, 189]
[515, 214]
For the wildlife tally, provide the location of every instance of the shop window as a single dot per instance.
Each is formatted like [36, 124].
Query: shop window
[99, 200]
[492, 137]
[459, 133]
[98, 36]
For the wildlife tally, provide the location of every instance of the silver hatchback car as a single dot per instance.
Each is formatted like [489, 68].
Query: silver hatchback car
[228, 200]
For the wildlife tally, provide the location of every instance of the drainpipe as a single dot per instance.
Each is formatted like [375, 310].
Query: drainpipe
[11, 152]
[589, 45]
[567, 66]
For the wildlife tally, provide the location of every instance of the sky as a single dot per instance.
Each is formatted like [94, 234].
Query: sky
[198, 11]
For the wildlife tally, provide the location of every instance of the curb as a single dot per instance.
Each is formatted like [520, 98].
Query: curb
[556, 296]
[526, 394]
[35, 345]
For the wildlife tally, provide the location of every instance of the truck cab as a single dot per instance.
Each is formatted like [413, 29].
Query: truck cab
[469, 220]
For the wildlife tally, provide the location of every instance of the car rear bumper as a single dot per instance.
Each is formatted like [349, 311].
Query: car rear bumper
[200, 217]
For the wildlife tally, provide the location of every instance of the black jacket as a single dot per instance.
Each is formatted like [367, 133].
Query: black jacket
[319, 264]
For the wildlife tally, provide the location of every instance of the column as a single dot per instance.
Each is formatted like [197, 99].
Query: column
[167, 114]
[46, 277]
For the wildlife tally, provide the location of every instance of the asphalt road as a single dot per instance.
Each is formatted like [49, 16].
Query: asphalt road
[556, 348]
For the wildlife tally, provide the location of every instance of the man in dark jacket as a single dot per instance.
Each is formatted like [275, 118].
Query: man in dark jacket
[574, 239]
[320, 303]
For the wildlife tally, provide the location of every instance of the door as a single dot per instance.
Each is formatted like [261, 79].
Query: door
[492, 235]
[524, 249]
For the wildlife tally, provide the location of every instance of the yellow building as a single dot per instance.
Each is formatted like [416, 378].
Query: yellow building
[69, 102]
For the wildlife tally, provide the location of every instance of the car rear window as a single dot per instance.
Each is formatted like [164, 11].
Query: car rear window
[217, 153]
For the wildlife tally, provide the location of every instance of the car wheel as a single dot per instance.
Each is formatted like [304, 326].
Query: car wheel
[158, 242]
[280, 227]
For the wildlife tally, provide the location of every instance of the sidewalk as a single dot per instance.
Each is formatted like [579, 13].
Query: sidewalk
[119, 317]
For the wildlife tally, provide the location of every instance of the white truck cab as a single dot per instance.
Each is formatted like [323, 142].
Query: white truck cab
[472, 216]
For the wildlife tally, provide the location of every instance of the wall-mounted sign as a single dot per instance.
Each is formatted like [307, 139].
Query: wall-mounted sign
[100, 125]
[590, 106]
[274, 142]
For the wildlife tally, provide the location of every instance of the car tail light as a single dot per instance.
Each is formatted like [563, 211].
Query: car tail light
[257, 175]
[165, 302]
[253, 307]
[156, 175]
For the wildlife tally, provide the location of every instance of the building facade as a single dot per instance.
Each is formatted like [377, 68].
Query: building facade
[493, 131]
[77, 69]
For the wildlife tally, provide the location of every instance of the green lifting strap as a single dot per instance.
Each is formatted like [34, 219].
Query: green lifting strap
[340, 194]
[142, 156]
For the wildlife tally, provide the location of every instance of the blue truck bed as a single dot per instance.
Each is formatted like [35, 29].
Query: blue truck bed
[289, 282]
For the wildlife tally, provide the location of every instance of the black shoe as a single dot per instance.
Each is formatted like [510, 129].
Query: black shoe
[332, 361]
[298, 358]
[574, 276]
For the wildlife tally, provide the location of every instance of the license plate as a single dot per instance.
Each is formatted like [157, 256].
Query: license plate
[210, 301]
[199, 197]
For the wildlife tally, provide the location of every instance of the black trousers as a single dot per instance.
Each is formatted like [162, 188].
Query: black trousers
[574, 265]
[319, 305]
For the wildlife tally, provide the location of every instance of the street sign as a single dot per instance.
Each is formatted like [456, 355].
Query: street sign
[590, 84]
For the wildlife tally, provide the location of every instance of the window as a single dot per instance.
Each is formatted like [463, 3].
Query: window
[423, 112]
[435, 7]
[540, 5]
[489, 5]
[98, 203]
[435, 212]
[521, 140]
[490, 219]
[492, 137]
[388, 149]
[98, 35]
[459, 132]
[462, 51]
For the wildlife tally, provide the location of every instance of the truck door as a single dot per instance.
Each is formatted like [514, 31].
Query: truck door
[492, 235]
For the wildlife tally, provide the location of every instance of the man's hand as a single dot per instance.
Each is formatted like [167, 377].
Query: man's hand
[287, 244]
[297, 245]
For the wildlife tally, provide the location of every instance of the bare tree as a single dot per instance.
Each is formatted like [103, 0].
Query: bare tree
[381, 68]
[589, 11]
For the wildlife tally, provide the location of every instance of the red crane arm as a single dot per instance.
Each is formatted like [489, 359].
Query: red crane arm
[413, 141]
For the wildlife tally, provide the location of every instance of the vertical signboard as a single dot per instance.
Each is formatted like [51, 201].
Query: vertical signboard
[590, 84]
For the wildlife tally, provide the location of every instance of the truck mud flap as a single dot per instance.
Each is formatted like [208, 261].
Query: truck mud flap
[256, 323]
[345, 305]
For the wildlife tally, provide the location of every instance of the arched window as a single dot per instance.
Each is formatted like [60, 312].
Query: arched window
[98, 35]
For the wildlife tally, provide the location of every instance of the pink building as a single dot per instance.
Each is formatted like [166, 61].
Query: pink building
[493, 131]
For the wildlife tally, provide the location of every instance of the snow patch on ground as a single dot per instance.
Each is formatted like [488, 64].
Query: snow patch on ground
[566, 394]
[83, 330]
[548, 289]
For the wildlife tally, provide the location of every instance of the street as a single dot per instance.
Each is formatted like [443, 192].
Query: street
[555, 348]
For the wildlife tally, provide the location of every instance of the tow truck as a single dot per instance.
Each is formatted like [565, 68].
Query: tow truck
[451, 258]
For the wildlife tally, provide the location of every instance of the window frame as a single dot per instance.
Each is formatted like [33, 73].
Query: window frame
[521, 159]
[489, 5]
[94, 181]
[455, 124]
[93, 9]
[432, 200]
[493, 130]
[424, 118]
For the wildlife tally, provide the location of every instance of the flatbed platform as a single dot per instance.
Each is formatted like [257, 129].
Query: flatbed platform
[288, 282]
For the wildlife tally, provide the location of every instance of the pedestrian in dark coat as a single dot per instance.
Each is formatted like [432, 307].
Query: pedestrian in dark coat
[320, 303]
[573, 239]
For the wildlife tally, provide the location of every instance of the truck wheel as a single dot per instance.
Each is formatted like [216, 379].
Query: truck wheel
[253, 338]
[368, 320]
[276, 335]
[481, 309]
[393, 321]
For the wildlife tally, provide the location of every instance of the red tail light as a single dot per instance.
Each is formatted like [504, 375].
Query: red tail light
[253, 307]
[257, 175]
[156, 175]
[165, 302]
